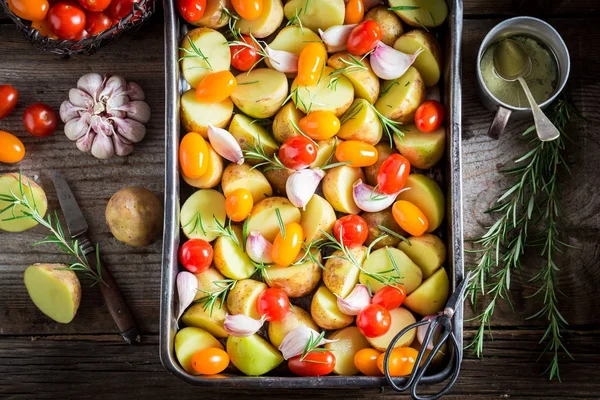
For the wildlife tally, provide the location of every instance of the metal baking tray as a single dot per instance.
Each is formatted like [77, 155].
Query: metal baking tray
[452, 232]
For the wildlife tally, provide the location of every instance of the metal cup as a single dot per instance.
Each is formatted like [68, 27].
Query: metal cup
[521, 26]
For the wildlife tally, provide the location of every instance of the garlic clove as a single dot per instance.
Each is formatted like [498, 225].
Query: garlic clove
[422, 331]
[225, 144]
[388, 63]
[130, 129]
[295, 341]
[259, 248]
[240, 325]
[135, 92]
[282, 61]
[358, 299]
[187, 287]
[139, 111]
[92, 84]
[123, 147]
[335, 37]
[102, 147]
[77, 127]
[369, 199]
[79, 98]
[301, 185]
[85, 142]
[113, 86]
[68, 111]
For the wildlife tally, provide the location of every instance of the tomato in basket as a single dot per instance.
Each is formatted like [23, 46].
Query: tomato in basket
[97, 22]
[67, 20]
[30, 10]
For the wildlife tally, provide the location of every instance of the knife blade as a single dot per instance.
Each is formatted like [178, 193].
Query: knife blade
[77, 226]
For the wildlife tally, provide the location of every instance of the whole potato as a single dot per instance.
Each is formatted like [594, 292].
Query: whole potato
[386, 219]
[134, 216]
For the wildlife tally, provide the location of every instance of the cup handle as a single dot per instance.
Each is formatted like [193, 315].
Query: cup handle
[499, 123]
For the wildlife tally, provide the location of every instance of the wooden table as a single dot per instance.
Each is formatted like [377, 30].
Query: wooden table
[86, 359]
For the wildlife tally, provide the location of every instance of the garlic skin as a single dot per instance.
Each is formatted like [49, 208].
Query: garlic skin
[259, 248]
[335, 37]
[422, 331]
[302, 184]
[388, 63]
[105, 115]
[369, 199]
[225, 144]
[358, 299]
[187, 286]
[295, 341]
[282, 61]
[240, 325]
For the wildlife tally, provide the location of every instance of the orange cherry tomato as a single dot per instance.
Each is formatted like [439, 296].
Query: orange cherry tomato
[311, 63]
[366, 362]
[11, 148]
[44, 27]
[193, 155]
[216, 87]
[30, 10]
[360, 154]
[210, 361]
[410, 217]
[401, 362]
[355, 12]
[286, 249]
[238, 204]
[248, 9]
[320, 125]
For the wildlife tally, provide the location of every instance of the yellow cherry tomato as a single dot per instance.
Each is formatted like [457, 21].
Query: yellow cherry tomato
[12, 149]
[366, 362]
[311, 63]
[216, 87]
[193, 155]
[238, 204]
[210, 361]
[360, 154]
[355, 12]
[286, 249]
[248, 9]
[44, 27]
[320, 125]
[401, 362]
[30, 10]
[410, 217]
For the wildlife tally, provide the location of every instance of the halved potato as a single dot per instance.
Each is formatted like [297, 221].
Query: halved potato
[316, 14]
[388, 21]
[260, 92]
[340, 275]
[337, 188]
[10, 183]
[348, 342]
[429, 62]
[242, 298]
[196, 116]
[200, 317]
[325, 152]
[199, 212]
[336, 96]
[325, 311]
[189, 341]
[295, 280]
[263, 217]
[230, 258]
[317, 216]
[295, 318]
[427, 13]
[402, 96]
[364, 81]
[212, 176]
[244, 176]
[283, 129]
[292, 39]
[213, 54]
[206, 282]
[401, 318]
[248, 133]
[426, 194]
[380, 261]
[214, 15]
[431, 296]
[278, 178]
[361, 123]
[253, 355]
[384, 150]
[386, 219]
[267, 23]
[423, 150]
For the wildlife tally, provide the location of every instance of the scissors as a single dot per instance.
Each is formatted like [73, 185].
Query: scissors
[444, 321]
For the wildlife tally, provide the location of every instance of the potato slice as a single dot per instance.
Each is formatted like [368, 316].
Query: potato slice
[10, 183]
[214, 15]
[295, 318]
[325, 152]
[429, 62]
[242, 298]
[267, 23]
[212, 176]
[361, 123]
[199, 212]
[54, 291]
[388, 21]
[244, 176]
[189, 341]
[337, 188]
[401, 97]
[283, 128]
[384, 150]
[386, 219]
[295, 280]
[200, 317]
[203, 51]
[230, 258]
[401, 318]
[427, 13]
[317, 216]
[206, 282]
[423, 150]
[250, 134]
[278, 178]
[292, 39]
[325, 95]
[325, 311]
[260, 92]
[196, 116]
[340, 275]
[364, 81]
[263, 217]
[381, 260]
[253, 355]
[431, 296]
[426, 194]
[348, 342]
[316, 14]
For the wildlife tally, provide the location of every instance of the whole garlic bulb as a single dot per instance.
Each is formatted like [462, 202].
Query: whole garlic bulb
[105, 115]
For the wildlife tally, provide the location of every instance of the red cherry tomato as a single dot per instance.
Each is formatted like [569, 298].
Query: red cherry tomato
[191, 10]
[315, 363]
[373, 321]
[429, 116]
[298, 152]
[8, 100]
[390, 297]
[97, 22]
[273, 303]
[196, 255]
[119, 9]
[393, 174]
[66, 20]
[351, 230]
[95, 5]
[244, 57]
[40, 120]
[364, 38]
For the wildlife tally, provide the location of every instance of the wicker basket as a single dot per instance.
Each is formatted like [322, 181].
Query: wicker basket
[140, 14]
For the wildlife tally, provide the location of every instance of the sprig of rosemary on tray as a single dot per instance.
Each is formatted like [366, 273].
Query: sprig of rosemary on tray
[218, 296]
[312, 346]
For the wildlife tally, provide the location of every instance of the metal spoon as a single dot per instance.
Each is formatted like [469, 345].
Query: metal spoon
[512, 63]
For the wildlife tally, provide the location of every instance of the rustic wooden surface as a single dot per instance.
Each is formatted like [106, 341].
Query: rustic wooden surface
[86, 359]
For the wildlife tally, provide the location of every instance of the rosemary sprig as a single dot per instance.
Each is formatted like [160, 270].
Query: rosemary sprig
[226, 230]
[352, 65]
[295, 20]
[280, 221]
[390, 127]
[392, 233]
[403, 8]
[257, 153]
[239, 41]
[311, 254]
[218, 296]
[196, 222]
[351, 113]
[328, 164]
[312, 345]
[195, 53]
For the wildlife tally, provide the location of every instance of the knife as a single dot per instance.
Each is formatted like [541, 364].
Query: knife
[110, 291]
